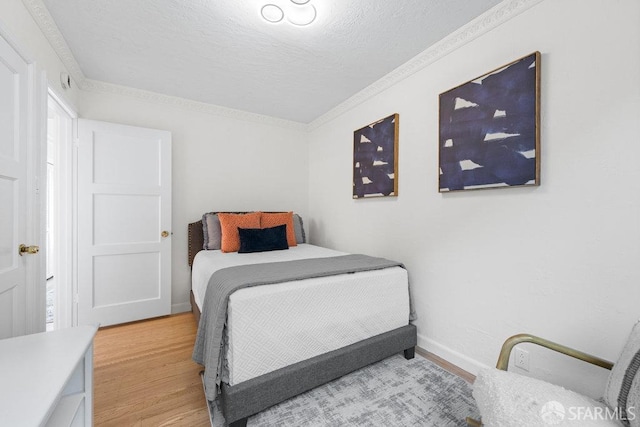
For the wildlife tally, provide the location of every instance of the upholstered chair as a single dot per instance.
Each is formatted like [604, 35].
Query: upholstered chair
[507, 399]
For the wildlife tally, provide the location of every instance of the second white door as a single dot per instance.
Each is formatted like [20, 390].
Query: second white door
[124, 223]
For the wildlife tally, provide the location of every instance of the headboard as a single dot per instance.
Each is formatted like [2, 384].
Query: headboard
[195, 240]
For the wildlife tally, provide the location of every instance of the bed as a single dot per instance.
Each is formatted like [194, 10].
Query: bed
[286, 338]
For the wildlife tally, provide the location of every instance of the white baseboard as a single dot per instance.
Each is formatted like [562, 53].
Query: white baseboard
[180, 308]
[458, 359]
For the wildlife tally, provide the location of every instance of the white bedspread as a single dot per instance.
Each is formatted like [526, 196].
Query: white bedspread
[273, 326]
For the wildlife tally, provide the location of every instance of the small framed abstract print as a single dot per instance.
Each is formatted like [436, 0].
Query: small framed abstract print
[490, 129]
[375, 159]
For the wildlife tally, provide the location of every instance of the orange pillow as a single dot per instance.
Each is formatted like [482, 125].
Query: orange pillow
[229, 224]
[268, 220]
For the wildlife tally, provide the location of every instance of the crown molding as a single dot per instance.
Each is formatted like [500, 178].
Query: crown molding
[43, 19]
[489, 20]
[188, 104]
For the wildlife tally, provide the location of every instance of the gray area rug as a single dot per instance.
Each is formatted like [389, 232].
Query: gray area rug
[393, 392]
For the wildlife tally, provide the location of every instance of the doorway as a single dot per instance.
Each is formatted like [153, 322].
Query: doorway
[60, 233]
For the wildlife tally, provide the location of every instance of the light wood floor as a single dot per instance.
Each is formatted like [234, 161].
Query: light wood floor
[144, 375]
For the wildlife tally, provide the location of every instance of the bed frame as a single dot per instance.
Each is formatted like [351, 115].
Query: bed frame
[242, 400]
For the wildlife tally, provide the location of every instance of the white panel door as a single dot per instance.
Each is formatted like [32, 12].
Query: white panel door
[16, 80]
[124, 220]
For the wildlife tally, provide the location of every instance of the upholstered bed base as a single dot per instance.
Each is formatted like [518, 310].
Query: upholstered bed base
[255, 395]
[250, 397]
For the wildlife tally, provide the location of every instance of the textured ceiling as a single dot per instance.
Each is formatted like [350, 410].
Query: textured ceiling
[221, 52]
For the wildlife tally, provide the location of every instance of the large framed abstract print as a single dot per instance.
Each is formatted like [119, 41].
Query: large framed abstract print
[490, 129]
[375, 159]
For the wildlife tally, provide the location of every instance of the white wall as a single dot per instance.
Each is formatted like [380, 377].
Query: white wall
[218, 164]
[559, 260]
[15, 18]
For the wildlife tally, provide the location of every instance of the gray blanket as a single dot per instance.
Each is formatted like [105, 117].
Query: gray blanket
[207, 349]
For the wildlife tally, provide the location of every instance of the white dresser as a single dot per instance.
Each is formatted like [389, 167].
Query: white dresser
[46, 379]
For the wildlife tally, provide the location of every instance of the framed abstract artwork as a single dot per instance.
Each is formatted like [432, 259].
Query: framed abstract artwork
[490, 129]
[375, 159]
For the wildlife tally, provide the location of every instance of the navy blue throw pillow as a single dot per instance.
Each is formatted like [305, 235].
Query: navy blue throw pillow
[263, 239]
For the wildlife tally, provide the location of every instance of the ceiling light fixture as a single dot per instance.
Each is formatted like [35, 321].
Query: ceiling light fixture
[272, 13]
[298, 12]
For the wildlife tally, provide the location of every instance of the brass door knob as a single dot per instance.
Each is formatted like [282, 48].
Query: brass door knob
[165, 234]
[24, 249]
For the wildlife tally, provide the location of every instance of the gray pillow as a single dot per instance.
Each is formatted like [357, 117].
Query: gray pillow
[211, 231]
[298, 227]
